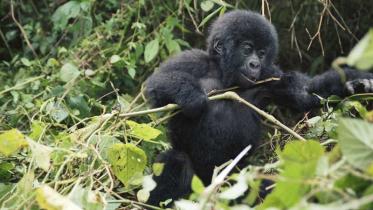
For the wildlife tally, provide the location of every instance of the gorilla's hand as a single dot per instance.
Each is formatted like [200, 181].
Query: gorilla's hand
[359, 86]
[192, 105]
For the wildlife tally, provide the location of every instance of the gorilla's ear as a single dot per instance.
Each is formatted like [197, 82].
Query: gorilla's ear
[218, 46]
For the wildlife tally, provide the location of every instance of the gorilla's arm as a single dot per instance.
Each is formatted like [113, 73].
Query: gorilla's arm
[300, 92]
[177, 81]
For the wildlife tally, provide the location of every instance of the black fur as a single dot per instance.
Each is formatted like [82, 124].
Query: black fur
[241, 45]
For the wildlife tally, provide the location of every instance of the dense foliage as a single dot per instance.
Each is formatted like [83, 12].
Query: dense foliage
[76, 131]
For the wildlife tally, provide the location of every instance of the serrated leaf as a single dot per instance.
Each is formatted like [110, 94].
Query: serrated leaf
[142, 131]
[356, 141]
[300, 160]
[197, 185]
[50, 199]
[361, 55]
[69, 72]
[207, 5]
[11, 141]
[151, 50]
[40, 153]
[128, 162]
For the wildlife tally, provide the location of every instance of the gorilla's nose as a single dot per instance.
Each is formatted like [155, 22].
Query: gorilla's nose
[254, 64]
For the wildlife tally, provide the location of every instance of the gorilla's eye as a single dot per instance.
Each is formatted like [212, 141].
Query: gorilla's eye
[247, 48]
[261, 53]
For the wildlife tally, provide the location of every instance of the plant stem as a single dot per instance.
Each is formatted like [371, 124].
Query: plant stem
[227, 95]
[21, 84]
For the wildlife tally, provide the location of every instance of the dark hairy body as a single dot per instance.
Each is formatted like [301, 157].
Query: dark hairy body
[242, 47]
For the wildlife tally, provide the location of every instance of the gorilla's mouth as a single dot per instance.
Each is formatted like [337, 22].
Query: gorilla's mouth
[249, 79]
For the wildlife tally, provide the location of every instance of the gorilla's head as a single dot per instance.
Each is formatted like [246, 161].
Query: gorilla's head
[244, 43]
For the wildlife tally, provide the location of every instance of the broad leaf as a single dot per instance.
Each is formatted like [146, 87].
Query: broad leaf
[356, 142]
[11, 141]
[128, 162]
[57, 111]
[207, 5]
[50, 199]
[61, 16]
[151, 50]
[69, 72]
[300, 160]
[37, 128]
[197, 185]
[361, 55]
[41, 154]
[86, 199]
[142, 131]
[114, 58]
[173, 46]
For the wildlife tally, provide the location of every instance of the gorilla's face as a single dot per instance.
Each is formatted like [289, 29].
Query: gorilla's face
[245, 43]
[244, 60]
[250, 60]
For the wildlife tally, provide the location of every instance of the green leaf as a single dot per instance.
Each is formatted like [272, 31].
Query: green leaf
[11, 141]
[361, 55]
[57, 111]
[37, 128]
[49, 199]
[5, 171]
[151, 50]
[158, 168]
[104, 143]
[197, 185]
[69, 72]
[25, 62]
[114, 59]
[61, 16]
[142, 131]
[86, 199]
[173, 46]
[208, 17]
[207, 5]
[356, 141]
[132, 72]
[128, 162]
[300, 160]
[80, 103]
[41, 154]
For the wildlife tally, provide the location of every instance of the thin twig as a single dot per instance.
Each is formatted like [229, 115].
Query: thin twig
[226, 95]
[22, 30]
[220, 178]
[21, 84]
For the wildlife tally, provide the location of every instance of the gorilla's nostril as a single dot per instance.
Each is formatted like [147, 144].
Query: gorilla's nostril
[254, 65]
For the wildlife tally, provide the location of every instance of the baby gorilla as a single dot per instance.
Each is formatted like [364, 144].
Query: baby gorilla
[242, 46]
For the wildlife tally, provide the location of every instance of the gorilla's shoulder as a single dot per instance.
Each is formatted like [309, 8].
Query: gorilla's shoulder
[192, 59]
[189, 56]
